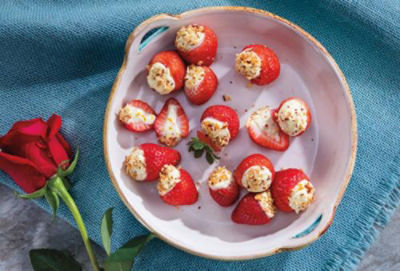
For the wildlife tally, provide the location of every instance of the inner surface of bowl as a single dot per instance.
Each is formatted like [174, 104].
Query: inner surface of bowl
[323, 152]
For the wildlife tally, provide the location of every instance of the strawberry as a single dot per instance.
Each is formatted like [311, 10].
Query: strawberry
[197, 44]
[176, 186]
[254, 209]
[223, 189]
[292, 190]
[137, 116]
[166, 72]
[219, 125]
[172, 124]
[258, 63]
[146, 160]
[293, 116]
[264, 131]
[255, 173]
[200, 84]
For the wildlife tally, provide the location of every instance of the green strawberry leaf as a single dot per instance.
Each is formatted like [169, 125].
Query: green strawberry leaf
[106, 230]
[198, 153]
[123, 258]
[198, 147]
[209, 158]
[71, 168]
[53, 260]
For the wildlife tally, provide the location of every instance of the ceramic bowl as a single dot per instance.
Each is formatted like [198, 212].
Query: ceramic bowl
[326, 152]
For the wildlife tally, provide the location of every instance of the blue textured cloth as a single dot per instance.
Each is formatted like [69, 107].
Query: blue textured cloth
[62, 57]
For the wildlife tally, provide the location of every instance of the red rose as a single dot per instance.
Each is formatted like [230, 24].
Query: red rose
[32, 150]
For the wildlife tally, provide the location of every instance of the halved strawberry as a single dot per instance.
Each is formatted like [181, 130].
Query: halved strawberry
[137, 116]
[176, 186]
[146, 160]
[292, 190]
[172, 124]
[200, 84]
[264, 131]
[197, 44]
[223, 188]
[293, 116]
[254, 209]
[255, 173]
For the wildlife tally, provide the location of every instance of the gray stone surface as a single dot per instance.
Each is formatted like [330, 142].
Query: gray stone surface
[23, 226]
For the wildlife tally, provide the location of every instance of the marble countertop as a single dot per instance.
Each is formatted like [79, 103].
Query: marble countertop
[23, 226]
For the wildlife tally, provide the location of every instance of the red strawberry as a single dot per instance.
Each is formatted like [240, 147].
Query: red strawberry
[270, 66]
[259, 173]
[288, 181]
[146, 161]
[293, 116]
[264, 131]
[133, 119]
[175, 67]
[200, 84]
[204, 53]
[254, 209]
[171, 124]
[176, 186]
[223, 189]
[228, 117]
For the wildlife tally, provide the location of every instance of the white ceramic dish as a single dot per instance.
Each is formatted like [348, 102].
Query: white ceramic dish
[326, 151]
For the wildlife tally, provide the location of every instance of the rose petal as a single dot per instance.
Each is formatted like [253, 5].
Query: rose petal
[22, 171]
[57, 151]
[65, 144]
[39, 155]
[24, 131]
[54, 124]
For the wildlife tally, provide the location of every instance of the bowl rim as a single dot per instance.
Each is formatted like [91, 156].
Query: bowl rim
[310, 38]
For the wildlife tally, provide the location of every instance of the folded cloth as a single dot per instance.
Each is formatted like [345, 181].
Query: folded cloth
[62, 57]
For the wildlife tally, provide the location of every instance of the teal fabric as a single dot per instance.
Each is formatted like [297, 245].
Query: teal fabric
[62, 57]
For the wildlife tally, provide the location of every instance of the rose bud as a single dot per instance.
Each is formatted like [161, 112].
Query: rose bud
[32, 151]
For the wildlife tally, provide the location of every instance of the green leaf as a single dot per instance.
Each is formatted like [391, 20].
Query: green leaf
[198, 153]
[71, 168]
[35, 195]
[198, 146]
[106, 230]
[53, 260]
[66, 182]
[209, 158]
[53, 200]
[123, 258]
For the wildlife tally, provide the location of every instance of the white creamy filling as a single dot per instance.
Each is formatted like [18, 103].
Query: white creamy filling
[262, 120]
[171, 131]
[160, 78]
[194, 76]
[292, 117]
[257, 178]
[220, 178]
[189, 37]
[135, 165]
[266, 203]
[131, 114]
[301, 196]
[169, 177]
[217, 131]
[248, 64]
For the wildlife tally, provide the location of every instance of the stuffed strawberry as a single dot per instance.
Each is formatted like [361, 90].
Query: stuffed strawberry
[254, 209]
[200, 84]
[146, 160]
[255, 173]
[264, 131]
[293, 116]
[197, 44]
[223, 189]
[219, 125]
[166, 72]
[176, 186]
[172, 124]
[292, 190]
[258, 63]
[137, 116]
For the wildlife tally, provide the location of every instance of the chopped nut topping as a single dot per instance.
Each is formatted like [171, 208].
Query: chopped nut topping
[169, 177]
[160, 79]
[257, 178]
[194, 76]
[220, 178]
[266, 203]
[189, 37]
[302, 196]
[262, 120]
[217, 131]
[248, 64]
[131, 114]
[291, 119]
[135, 165]
[226, 98]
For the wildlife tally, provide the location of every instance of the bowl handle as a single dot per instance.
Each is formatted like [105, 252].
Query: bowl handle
[161, 21]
